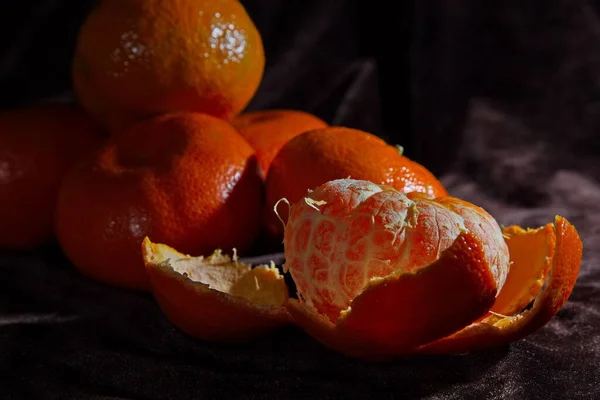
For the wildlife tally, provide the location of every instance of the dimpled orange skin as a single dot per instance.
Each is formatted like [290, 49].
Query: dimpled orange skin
[188, 180]
[140, 58]
[268, 130]
[351, 231]
[38, 145]
[322, 155]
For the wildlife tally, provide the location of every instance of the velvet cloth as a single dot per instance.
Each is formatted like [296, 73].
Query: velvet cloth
[501, 99]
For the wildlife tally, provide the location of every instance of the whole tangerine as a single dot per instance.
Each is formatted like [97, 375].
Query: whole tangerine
[322, 155]
[140, 58]
[38, 145]
[268, 130]
[187, 179]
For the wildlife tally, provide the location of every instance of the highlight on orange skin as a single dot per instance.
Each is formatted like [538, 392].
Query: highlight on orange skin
[268, 130]
[215, 298]
[138, 59]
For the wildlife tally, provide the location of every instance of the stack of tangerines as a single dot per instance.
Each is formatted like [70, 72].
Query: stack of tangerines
[159, 147]
[180, 162]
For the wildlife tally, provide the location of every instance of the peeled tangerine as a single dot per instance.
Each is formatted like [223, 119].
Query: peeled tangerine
[382, 274]
[379, 274]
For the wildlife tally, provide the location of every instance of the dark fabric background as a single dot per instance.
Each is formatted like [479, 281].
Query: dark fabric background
[501, 99]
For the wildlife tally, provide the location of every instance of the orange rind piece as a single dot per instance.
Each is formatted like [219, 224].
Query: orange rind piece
[532, 252]
[216, 298]
[561, 249]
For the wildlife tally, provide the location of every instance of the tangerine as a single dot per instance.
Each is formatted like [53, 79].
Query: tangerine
[139, 58]
[38, 145]
[348, 232]
[187, 179]
[268, 130]
[381, 274]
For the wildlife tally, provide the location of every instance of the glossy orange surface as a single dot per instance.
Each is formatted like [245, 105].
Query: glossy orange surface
[139, 58]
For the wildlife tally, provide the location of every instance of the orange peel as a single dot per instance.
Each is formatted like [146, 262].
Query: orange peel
[215, 298]
[563, 248]
[526, 276]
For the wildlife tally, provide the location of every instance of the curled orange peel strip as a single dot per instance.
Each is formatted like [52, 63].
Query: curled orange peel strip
[215, 298]
[532, 251]
[564, 250]
[395, 315]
